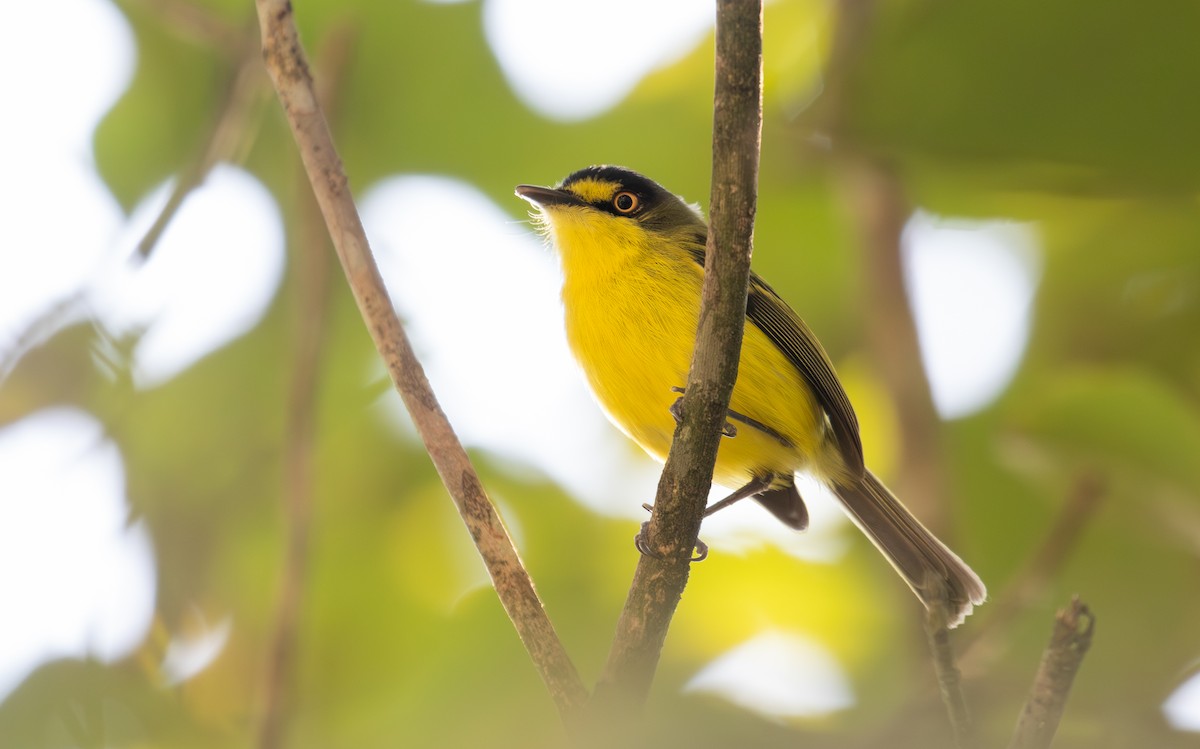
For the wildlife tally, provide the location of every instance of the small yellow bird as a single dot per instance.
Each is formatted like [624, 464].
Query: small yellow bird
[633, 265]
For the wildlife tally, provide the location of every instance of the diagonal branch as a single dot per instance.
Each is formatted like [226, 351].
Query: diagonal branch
[683, 489]
[948, 676]
[230, 129]
[289, 72]
[1073, 627]
[1032, 583]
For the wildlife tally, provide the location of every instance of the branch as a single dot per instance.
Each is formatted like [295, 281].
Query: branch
[875, 197]
[1073, 627]
[289, 72]
[196, 24]
[683, 489]
[1042, 567]
[948, 677]
[309, 311]
[309, 315]
[223, 140]
[229, 129]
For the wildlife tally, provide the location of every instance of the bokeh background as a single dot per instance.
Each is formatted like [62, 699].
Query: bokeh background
[217, 528]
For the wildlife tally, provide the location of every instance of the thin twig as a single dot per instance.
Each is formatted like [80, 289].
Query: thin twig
[229, 129]
[196, 23]
[1043, 566]
[683, 489]
[309, 311]
[289, 72]
[948, 677]
[225, 138]
[312, 274]
[1072, 636]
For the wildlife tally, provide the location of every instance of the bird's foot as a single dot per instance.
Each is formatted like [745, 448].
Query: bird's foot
[729, 430]
[642, 542]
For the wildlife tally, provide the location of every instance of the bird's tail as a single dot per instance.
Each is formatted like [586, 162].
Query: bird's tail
[925, 563]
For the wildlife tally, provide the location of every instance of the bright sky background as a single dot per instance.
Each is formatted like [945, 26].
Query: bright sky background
[86, 587]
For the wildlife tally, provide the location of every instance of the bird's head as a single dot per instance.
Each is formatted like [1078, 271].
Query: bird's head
[613, 211]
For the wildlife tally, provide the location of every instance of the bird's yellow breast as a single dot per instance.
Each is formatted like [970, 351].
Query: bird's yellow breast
[631, 307]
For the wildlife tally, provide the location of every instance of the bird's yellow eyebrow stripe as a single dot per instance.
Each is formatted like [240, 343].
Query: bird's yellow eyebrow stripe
[594, 190]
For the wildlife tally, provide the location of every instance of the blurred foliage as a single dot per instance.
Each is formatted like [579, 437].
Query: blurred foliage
[1079, 116]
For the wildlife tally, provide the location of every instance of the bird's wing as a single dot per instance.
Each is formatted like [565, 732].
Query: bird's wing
[786, 330]
[792, 336]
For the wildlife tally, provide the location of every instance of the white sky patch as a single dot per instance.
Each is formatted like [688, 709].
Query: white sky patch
[58, 217]
[192, 651]
[779, 675]
[971, 284]
[479, 293]
[571, 61]
[209, 280]
[64, 75]
[76, 578]
[1182, 708]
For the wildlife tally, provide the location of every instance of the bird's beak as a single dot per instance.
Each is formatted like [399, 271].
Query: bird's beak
[545, 197]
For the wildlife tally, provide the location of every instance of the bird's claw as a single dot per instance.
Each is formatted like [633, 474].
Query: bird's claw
[642, 542]
[729, 430]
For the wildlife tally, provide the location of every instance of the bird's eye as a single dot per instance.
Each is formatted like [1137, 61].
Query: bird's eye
[626, 202]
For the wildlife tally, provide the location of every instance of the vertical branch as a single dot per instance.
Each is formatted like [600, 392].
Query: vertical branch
[876, 198]
[288, 68]
[310, 304]
[312, 276]
[683, 489]
[1073, 627]
[948, 677]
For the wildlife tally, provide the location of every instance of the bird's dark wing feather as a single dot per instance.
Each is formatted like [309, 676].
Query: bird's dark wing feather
[786, 330]
[775, 318]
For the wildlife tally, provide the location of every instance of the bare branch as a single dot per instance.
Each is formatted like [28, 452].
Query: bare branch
[948, 677]
[877, 198]
[309, 310]
[1072, 636]
[197, 24]
[1032, 582]
[312, 275]
[229, 129]
[289, 72]
[683, 489]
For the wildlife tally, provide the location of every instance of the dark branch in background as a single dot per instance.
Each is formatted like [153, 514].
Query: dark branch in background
[309, 308]
[683, 489]
[289, 72]
[1070, 641]
[197, 24]
[228, 134]
[312, 275]
[1032, 582]
[875, 197]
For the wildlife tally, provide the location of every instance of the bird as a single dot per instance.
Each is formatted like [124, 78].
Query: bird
[632, 257]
